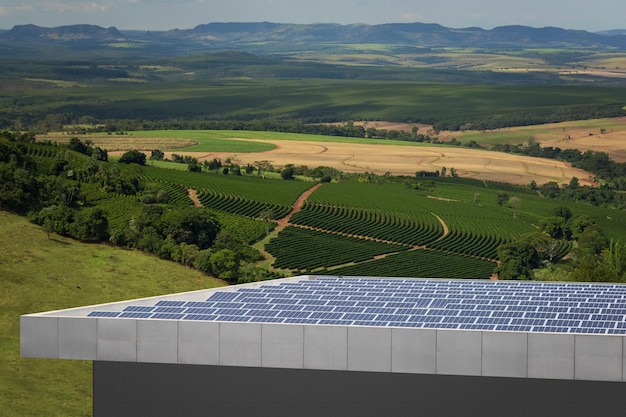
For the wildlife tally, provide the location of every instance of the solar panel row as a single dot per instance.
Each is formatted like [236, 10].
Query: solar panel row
[457, 304]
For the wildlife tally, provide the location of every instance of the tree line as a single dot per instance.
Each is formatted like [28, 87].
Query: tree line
[499, 121]
[610, 174]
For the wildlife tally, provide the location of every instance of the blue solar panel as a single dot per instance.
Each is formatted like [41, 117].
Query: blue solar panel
[135, 315]
[167, 316]
[142, 309]
[444, 304]
[170, 303]
[104, 314]
[169, 309]
[205, 317]
[224, 296]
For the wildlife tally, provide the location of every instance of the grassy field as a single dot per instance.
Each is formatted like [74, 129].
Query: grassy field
[287, 98]
[40, 274]
[211, 140]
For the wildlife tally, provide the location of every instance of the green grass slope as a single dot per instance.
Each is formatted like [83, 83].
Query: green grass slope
[40, 274]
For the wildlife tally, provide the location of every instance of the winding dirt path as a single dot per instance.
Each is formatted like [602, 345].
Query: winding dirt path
[282, 223]
[297, 206]
[193, 195]
[446, 229]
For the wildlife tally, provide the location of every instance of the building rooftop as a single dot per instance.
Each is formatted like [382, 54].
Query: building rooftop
[570, 331]
[417, 303]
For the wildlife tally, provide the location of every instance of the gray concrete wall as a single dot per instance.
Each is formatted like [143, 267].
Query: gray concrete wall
[365, 349]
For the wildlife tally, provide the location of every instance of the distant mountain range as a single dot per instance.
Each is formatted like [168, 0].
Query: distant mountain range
[284, 37]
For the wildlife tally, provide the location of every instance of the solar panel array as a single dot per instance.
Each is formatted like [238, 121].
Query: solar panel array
[416, 303]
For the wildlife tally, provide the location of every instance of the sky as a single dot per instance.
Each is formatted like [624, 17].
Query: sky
[596, 15]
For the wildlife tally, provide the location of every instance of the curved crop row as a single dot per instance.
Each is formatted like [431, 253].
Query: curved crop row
[302, 249]
[470, 243]
[418, 229]
[240, 205]
[42, 151]
[178, 194]
[120, 210]
[242, 228]
[423, 264]
[272, 191]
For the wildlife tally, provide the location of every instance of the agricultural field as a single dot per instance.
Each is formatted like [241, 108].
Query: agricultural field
[464, 231]
[564, 62]
[441, 227]
[600, 135]
[347, 154]
[448, 218]
[306, 98]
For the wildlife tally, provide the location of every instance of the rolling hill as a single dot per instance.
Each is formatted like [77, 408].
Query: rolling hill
[293, 37]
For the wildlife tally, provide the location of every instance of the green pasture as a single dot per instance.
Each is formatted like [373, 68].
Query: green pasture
[41, 274]
[210, 140]
[225, 140]
[287, 98]
[161, 164]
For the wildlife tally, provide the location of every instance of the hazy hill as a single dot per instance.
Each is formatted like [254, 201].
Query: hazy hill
[29, 40]
[423, 34]
[62, 33]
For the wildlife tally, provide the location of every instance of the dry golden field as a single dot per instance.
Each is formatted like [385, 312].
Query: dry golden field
[406, 160]
[606, 135]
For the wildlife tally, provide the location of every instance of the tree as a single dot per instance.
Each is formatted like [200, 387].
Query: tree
[515, 203]
[590, 269]
[444, 171]
[288, 172]
[592, 241]
[614, 260]
[185, 254]
[133, 157]
[267, 216]
[517, 260]
[194, 167]
[192, 225]
[543, 244]
[90, 225]
[262, 166]
[225, 265]
[501, 198]
[215, 165]
[556, 227]
[18, 187]
[563, 212]
[157, 155]
[48, 227]
[580, 223]
[77, 145]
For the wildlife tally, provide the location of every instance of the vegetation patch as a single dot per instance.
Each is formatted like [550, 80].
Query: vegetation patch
[38, 273]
